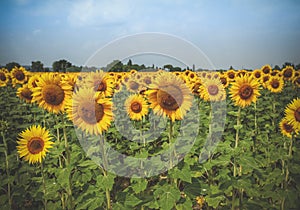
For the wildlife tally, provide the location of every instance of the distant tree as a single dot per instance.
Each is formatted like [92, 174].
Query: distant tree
[74, 69]
[168, 67]
[176, 69]
[46, 69]
[287, 64]
[61, 65]
[115, 66]
[129, 63]
[11, 65]
[37, 66]
[231, 68]
[276, 67]
[297, 66]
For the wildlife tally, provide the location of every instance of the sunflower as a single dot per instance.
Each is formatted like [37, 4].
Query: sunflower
[288, 73]
[241, 72]
[257, 74]
[224, 80]
[33, 80]
[134, 85]
[25, 93]
[275, 84]
[19, 75]
[4, 77]
[212, 90]
[292, 112]
[169, 96]
[90, 112]
[265, 80]
[266, 69]
[296, 81]
[51, 93]
[286, 128]
[33, 143]
[244, 91]
[136, 106]
[231, 75]
[100, 82]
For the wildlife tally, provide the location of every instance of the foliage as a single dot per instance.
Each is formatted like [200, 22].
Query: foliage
[253, 166]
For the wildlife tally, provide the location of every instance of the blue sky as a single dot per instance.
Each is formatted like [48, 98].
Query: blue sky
[244, 34]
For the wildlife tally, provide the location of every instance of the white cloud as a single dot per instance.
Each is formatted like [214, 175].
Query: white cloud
[36, 32]
[94, 13]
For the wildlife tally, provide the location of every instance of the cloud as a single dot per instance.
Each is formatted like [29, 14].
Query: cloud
[36, 32]
[95, 13]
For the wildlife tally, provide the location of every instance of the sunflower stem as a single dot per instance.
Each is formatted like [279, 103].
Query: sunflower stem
[68, 161]
[44, 186]
[255, 127]
[105, 165]
[238, 123]
[7, 171]
[58, 139]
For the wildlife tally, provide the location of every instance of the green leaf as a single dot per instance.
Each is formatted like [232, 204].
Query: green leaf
[167, 196]
[106, 182]
[214, 201]
[132, 200]
[138, 185]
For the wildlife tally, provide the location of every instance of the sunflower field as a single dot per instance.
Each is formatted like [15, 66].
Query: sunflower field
[150, 140]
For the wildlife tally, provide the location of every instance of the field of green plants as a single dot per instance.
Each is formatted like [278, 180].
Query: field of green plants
[216, 140]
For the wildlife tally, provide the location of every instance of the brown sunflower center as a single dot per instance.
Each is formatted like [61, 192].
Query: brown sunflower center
[297, 81]
[297, 114]
[231, 75]
[265, 79]
[287, 127]
[213, 90]
[53, 94]
[2, 76]
[91, 113]
[223, 80]
[20, 75]
[147, 80]
[245, 92]
[26, 93]
[275, 84]
[35, 145]
[170, 98]
[133, 85]
[257, 74]
[288, 73]
[266, 70]
[136, 107]
[100, 86]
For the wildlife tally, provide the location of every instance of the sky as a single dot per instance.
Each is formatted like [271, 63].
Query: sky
[240, 33]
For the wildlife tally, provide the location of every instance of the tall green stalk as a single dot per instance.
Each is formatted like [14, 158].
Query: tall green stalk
[44, 186]
[68, 162]
[238, 124]
[7, 171]
[105, 164]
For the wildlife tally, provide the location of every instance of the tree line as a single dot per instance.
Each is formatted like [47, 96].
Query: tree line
[63, 65]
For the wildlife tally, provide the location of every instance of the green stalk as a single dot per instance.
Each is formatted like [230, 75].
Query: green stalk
[68, 161]
[255, 127]
[44, 186]
[170, 142]
[7, 172]
[238, 123]
[105, 164]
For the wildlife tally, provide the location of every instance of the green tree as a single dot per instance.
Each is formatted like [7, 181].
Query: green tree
[61, 65]
[276, 67]
[37, 66]
[115, 66]
[11, 65]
